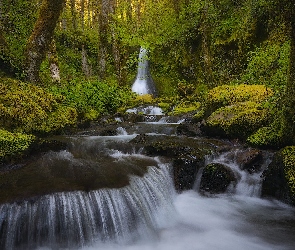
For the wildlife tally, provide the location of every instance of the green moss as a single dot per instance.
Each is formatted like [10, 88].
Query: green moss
[12, 144]
[270, 136]
[239, 120]
[288, 154]
[225, 95]
[186, 107]
[28, 108]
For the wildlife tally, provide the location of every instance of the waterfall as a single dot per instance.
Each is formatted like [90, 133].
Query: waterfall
[144, 83]
[248, 184]
[77, 219]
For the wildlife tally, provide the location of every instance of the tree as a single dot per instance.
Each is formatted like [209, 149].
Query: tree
[41, 37]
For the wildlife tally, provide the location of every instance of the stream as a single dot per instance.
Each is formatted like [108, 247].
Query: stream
[148, 213]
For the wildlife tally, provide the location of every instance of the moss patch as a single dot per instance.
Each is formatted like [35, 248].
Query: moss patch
[186, 107]
[225, 95]
[288, 154]
[29, 108]
[13, 144]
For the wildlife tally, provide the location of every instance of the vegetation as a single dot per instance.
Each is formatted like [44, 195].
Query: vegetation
[80, 58]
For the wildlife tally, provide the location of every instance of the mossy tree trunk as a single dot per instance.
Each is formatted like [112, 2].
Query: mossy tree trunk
[41, 37]
[289, 101]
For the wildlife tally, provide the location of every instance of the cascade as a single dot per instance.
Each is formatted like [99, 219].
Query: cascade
[143, 83]
[147, 213]
[71, 219]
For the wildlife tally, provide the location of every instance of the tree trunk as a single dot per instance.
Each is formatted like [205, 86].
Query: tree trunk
[290, 87]
[103, 38]
[53, 62]
[41, 37]
[74, 14]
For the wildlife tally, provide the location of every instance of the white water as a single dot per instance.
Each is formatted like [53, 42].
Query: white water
[240, 221]
[143, 83]
[224, 223]
[150, 110]
[148, 215]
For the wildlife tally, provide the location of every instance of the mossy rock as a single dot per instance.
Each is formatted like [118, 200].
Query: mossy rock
[236, 121]
[226, 95]
[13, 144]
[216, 178]
[279, 177]
[28, 108]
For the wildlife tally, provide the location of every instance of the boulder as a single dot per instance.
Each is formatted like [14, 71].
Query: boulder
[236, 121]
[216, 178]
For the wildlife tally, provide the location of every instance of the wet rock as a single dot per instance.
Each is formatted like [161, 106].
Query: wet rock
[216, 178]
[187, 154]
[188, 129]
[250, 160]
[279, 177]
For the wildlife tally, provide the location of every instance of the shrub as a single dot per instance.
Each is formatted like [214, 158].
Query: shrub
[93, 98]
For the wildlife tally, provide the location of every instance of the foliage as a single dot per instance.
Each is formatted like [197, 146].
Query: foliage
[93, 98]
[268, 65]
[238, 120]
[28, 108]
[12, 144]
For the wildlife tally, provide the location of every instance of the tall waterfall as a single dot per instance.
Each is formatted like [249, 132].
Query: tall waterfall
[144, 83]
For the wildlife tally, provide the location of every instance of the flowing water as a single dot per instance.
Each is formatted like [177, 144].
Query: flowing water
[147, 214]
[143, 83]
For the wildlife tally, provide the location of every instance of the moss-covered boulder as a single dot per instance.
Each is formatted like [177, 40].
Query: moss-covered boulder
[226, 95]
[28, 108]
[236, 121]
[279, 177]
[216, 178]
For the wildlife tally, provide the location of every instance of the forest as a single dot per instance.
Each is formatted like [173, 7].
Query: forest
[67, 62]
[206, 159]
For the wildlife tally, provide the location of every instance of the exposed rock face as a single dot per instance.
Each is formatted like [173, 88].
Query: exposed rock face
[279, 177]
[216, 178]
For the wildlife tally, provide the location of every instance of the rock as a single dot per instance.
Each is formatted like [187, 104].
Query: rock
[187, 154]
[279, 177]
[236, 121]
[216, 178]
[250, 160]
[188, 129]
